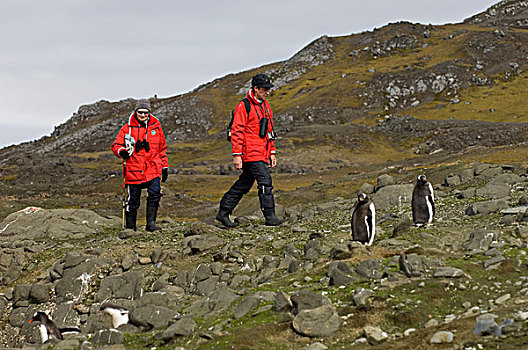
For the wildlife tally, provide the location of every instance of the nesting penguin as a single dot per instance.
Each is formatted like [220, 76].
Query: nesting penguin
[423, 208]
[363, 223]
[119, 313]
[48, 328]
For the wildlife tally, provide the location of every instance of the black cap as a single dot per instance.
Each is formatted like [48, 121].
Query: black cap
[262, 81]
[143, 104]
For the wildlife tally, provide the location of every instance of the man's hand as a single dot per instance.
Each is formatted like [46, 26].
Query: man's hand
[237, 162]
[124, 154]
[164, 174]
[273, 161]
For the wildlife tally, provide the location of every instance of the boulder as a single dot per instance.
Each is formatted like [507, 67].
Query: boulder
[245, 306]
[341, 273]
[486, 325]
[182, 327]
[374, 335]
[319, 322]
[108, 337]
[480, 240]
[411, 265]
[384, 180]
[151, 316]
[128, 285]
[443, 337]
[307, 300]
[446, 271]
[494, 190]
[393, 196]
[487, 207]
[371, 269]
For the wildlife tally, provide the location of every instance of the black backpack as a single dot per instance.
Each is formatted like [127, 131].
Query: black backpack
[247, 104]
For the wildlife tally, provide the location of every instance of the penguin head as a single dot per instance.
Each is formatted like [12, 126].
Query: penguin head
[362, 198]
[39, 317]
[422, 179]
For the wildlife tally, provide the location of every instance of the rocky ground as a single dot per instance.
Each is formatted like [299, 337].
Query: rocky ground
[461, 283]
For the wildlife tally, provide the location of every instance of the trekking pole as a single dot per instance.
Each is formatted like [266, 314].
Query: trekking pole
[124, 194]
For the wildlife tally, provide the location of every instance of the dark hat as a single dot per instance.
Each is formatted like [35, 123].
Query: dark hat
[143, 104]
[261, 80]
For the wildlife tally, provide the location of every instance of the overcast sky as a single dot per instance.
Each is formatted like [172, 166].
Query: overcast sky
[56, 55]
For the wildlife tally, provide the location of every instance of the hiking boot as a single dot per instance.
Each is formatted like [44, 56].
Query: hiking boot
[223, 217]
[152, 213]
[272, 219]
[130, 220]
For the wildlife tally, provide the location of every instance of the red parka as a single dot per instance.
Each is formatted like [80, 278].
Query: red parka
[245, 140]
[143, 166]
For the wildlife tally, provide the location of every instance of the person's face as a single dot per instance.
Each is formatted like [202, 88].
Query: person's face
[261, 93]
[142, 115]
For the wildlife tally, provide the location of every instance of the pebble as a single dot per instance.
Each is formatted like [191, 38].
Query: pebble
[442, 337]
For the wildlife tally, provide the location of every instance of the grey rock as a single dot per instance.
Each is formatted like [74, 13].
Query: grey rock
[128, 260]
[384, 180]
[452, 180]
[168, 300]
[374, 335]
[217, 300]
[128, 285]
[158, 255]
[487, 207]
[307, 300]
[468, 193]
[366, 188]
[319, 322]
[65, 315]
[467, 175]
[494, 190]
[393, 196]
[202, 243]
[493, 262]
[361, 297]
[316, 346]
[182, 327]
[446, 271]
[245, 307]
[160, 283]
[68, 344]
[151, 316]
[283, 302]
[39, 293]
[21, 292]
[443, 337]
[239, 280]
[488, 173]
[509, 178]
[340, 252]
[486, 325]
[203, 272]
[108, 337]
[480, 240]
[207, 286]
[371, 269]
[411, 265]
[402, 227]
[341, 273]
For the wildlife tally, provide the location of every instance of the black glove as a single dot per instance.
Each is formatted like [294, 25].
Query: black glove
[164, 174]
[124, 154]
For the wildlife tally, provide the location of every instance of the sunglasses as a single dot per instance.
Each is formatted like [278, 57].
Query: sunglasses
[144, 113]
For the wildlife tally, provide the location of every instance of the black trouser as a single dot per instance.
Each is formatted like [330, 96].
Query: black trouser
[251, 171]
[134, 194]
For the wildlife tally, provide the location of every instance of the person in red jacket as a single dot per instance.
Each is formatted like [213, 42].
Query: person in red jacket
[253, 149]
[142, 146]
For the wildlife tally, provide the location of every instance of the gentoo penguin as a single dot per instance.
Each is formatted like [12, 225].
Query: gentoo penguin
[48, 328]
[363, 223]
[119, 313]
[423, 208]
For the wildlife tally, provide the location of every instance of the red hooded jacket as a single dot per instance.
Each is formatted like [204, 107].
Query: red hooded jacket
[143, 166]
[245, 140]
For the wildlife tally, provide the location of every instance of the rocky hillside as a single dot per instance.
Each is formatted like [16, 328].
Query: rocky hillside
[367, 112]
[460, 282]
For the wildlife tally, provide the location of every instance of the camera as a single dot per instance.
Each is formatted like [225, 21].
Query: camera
[142, 144]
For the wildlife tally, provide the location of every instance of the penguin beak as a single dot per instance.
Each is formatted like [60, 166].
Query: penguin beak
[31, 320]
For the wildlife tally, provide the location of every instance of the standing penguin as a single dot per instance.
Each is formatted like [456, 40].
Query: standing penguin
[48, 328]
[423, 208]
[363, 223]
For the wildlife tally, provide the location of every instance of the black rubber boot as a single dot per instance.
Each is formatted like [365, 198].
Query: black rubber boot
[272, 219]
[130, 220]
[223, 217]
[152, 213]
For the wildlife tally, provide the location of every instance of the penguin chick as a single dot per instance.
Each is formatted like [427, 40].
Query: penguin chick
[363, 223]
[423, 207]
[118, 313]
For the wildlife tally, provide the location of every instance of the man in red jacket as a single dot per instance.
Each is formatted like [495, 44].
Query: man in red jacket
[253, 146]
[141, 143]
